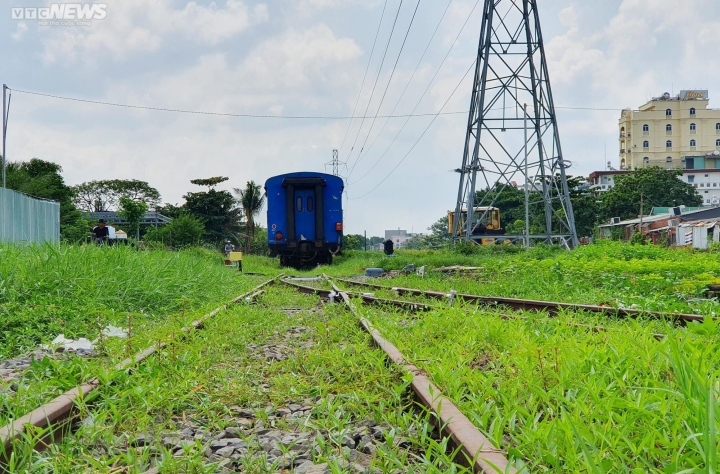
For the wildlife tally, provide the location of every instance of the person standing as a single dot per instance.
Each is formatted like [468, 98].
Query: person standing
[101, 233]
[229, 247]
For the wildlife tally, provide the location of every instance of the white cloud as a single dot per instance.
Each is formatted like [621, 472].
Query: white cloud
[137, 26]
[19, 31]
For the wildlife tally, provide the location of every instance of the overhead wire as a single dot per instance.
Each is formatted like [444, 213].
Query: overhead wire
[417, 104]
[407, 84]
[367, 68]
[387, 86]
[377, 77]
[421, 135]
[268, 116]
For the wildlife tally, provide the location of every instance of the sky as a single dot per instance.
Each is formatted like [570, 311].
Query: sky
[327, 60]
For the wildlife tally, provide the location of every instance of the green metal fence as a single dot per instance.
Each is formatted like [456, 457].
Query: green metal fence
[24, 219]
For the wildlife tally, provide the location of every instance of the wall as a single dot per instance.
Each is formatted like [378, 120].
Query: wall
[24, 219]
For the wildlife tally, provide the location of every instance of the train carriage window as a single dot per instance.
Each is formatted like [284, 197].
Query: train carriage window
[298, 204]
[310, 204]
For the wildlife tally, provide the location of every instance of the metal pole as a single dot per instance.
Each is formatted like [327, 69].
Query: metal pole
[4, 132]
[527, 177]
[365, 241]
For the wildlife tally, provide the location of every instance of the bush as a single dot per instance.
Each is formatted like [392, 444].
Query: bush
[185, 230]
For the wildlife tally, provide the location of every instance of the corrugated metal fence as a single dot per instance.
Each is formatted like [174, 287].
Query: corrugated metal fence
[24, 219]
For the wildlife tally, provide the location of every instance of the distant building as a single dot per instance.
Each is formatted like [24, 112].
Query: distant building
[399, 237]
[706, 182]
[673, 132]
[679, 226]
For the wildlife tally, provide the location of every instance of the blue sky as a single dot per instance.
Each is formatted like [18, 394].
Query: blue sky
[308, 57]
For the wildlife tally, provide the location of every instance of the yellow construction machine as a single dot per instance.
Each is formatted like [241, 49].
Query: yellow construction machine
[485, 223]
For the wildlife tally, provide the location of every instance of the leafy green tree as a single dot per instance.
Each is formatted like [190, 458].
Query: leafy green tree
[184, 230]
[209, 182]
[171, 210]
[133, 212]
[104, 195]
[251, 199]
[42, 179]
[653, 186]
[218, 211]
[353, 242]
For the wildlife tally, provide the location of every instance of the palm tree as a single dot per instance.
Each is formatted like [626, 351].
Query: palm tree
[251, 199]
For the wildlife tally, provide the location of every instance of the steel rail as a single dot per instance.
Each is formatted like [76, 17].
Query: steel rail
[53, 417]
[537, 305]
[325, 293]
[478, 452]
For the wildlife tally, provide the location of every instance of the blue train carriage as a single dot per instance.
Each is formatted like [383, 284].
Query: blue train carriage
[304, 218]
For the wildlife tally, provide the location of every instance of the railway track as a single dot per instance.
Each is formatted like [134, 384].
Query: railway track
[471, 448]
[58, 417]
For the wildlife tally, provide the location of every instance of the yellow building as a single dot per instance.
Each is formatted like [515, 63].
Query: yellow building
[678, 132]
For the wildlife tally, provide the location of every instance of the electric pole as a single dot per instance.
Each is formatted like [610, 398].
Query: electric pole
[511, 70]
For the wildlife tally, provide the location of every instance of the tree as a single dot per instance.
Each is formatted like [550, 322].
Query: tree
[353, 242]
[42, 179]
[653, 186]
[209, 182]
[183, 231]
[133, 212]
[97, 196]
[251, 199]
[218, 211]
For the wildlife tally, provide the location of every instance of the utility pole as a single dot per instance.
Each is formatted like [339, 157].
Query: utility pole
[335, 163]
[527, 193]
[365, 241]
[5, 111]
[641, 211]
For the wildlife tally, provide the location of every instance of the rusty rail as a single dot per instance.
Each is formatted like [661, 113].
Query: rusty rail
[537, 305]
[53, 418]
[325, 293]
[477, 451]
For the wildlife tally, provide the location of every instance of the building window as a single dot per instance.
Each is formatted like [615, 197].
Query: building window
[692, 110]
[668, 159]
[646, 128]
[668, 128]
[691, 178]
[646, 158]
[693, 127]
[668, 112]
[714, 185]
[717, 126]
[702, 185]
[668, 144]
[717, 142]
[693, 143]
[646, 144]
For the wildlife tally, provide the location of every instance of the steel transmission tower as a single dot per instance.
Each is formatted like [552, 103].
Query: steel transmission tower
[335, 163]
[504, 145]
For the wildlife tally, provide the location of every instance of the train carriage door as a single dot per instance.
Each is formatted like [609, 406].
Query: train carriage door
[304, 200]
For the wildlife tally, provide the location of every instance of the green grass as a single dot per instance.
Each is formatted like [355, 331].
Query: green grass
[46, 290]
[561, 398]
[200, 377]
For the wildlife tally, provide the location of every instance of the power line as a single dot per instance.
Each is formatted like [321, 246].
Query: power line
[417, 66]
[367, 68]
[267, 116]
[387, 86]
[372, 92]
[417, 104]
[228, 114]
[421, 135]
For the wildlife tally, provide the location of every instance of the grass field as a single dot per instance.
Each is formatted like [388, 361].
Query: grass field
[556, 396]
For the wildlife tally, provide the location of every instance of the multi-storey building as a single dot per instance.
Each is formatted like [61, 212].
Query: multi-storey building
[673, 132]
